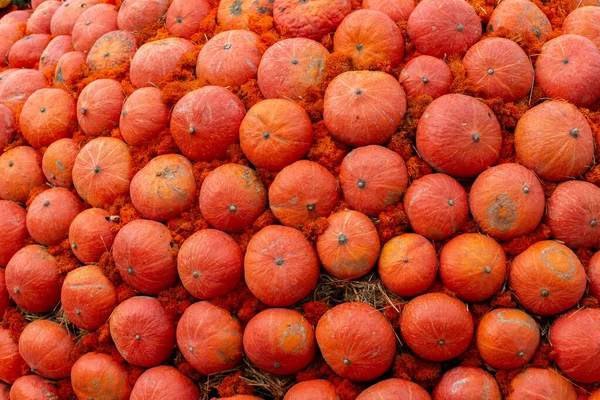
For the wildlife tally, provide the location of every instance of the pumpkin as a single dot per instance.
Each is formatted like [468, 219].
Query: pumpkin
[507, 338]
[408, 265]
[155, 60]
[18, 86]
[50, 214]
[507, 201]
[20, 172]
[5, 73]
[281, 266]
[32, 279]
[235, 14]
[232, 198]
[466, 383]
[135, 15]
[112, 50]
[39, 22]
[4, 391]
[94, 23]
[595, 395]
[436, 327]
[397, 10]
[310, 19]
[66, 16]
[457, 124]
[290, 67]
[206, 273]
[99, 106]
[209, 338]
[275, 133]
[144, 116]
[9, 34]
[183, 17]
[372, 179]
[164, 382]
[542, 383]
[566, 67]
[547, 278]
[230, 58]
[164, 188]
[584, 21]
[567, 149]
[102, 171]
[10, 368]
[68, 68]
[394, 389]
[142, 331]
[436, 206]
[363, 107]
[356, 341]
[519, 17]
[594, 275]
[47, 116]
[57, 47]
[369, 38]
[574, 214]
[17, 17]
[5, 301]
[26, 52]
[316, 389]
[349, 247]
[98, 376]
[58, 161]
[144, 255]
[205, 122]
[7, 127]
[280, 341]
[241, 397]
[33, 387]
[13, 231]
[303, 192]
[36, 3]
[48, 361]
[426, 75]
[88, 297]
[91, 234]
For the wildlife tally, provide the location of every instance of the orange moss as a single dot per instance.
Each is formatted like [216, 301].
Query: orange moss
[107, 265]
[175, 300]
[124, 292]
[503, 300]
[392, 222]
[325, 150]
[65, 390]
[347, 390]
[483, 8]
[314, 229]
[265, 219]
[312, 102]
[411, 368]
[186, 369]
[549, 188]
[122, 208]
[593, 175]
[314, 310]
[460, 83]
[505, 377]
[508, 114]
[518, 245]
[335, 65]
[65, 259]
[14, 322]
[471, 357]
[234, 384]
[392, 314]
[402, 143]
[541, 359]
[207, 29]
[86, 76]
[151, 32]
[507, 153]
[249, 93]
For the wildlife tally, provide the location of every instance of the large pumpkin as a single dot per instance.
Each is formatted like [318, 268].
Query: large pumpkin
[12, 363]
[584, 21]
[310, 19]
[57, 47]
[426, 75]
[183, 17]
[155, 60]
[235, 14]
[39, 22]
[7, 127]
[397, 10]
[50, 214]
[58, 161]
[50, 362]
[18, 86]
[94, 23]
[144, 116]
[13, 231]
[594, 274]
[99, 106]
[541, 383]
[98, 376]
[66, 16]
[466, 383]
[394, 389]
[5, 300]
[9, 34]
[26, 52]
[137, 14]
[32, 387]
[164, 382]
[316, 389]
[112, 50]
[20, 172]
[91, 234]
[519, 17]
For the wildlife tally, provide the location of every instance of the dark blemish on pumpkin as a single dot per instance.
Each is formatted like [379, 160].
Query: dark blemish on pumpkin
[11, 163]
[124, 113]
[167, 173]
[266, 135]
[179, 20]
[359, 47]
[502, 213]
[526, 189]
[475, 137]
[487, 269]
[236, 8]
[490, 28]
[425, 79]
[303, 2]
[77, 311]
[74, 246]
[276, 364]
[574, 132]
[593, 223]
[545, 293]
[232, 208]
[342, 239]
[490, 116]
[565, 61]
[43, 58]
[279, 261]
[295, 61]
[405, 260]
[30, 37]
[537, 32]
[460, 27]
[106, 54]
[59, 76]
[97, 169]
[43, 110]
[46, 203]
[130, 270]
[358, 92]
[83, 111]
[361, 184]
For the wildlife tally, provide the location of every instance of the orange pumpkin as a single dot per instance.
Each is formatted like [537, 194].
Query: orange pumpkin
[50, 214]
[394, 389]
[235, 14]
[466, 383]
[137, 14]
[183, 17]
[49, 362]
[242, 397]
[547, 278]
[58, 161]
[5, 300]
[66, 16]
[13, 231]
[39, 22]
[17, 17]
[57, 47]
[4, 391]
[155, 60]
[9, 35]
[112, 50]
[20, 172]
[349, 247]
[426, 75]
[519, 17]
[98, 376]
[91, 234]
[99, 106]
[315, 389]
[93, 24]
[10, 368]
[280, 341]
[303, 192]
[584, 21]
[542, 383]
[26, 52]
[68, 68]
[397, 10]
[32, 387]
[363, 107]
[5, 73]
[595, 395]
[275, 133]
[309, 19]
[7, 127]
[594, 274]
[18, 86]
[164, 382]
[144, 116]
[357, 341]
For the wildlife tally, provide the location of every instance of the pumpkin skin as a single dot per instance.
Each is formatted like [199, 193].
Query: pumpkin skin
[394, 389]
[99, 106]
[466, 383]
[574, 214]
[507, 201]
[436, 327]
[68, 67]
[547, 278]
[136, 14]
[310, 19]
[595, 395]
[567, 148]
[235, 14]
[7, 127]
[507, 338]
[436, 206]
[65, 17]
[457, 27]
[542, 383]
[584, 21]
[369, 38]
[517, 17]
[18, 17]
[144, 255]
[57, 47]
[458, 124]
[206, 274]
[397, 10]
[98, 376]
[363, 107]
[47, 116]
[312, 185]
[593, 275]
[49, 362]
[164, 188]
[155, 60]
[20, 172]
[280, 341]
[183, 18]
[9, 35]
[426, 75]
[281, 267]
[119, 45]
[275, 133]
[88, 297]
[58, 161]
[199, 137]
[290, 67]
[4, 391]
[94, 23]
[144, 116]
[7, 72]
[18, 86]
[50, 214]
[102, 171]
[163, 383]
[372, 179]
[26, 52]
[232, 198]
[39, 22]
[209, 338]
[5, 300]
[348, 344]
[33, 387]
[565, 69]
[230, 58]
[241, 397]
[10, 368]
[13, 231]
[316, 389]
[349, 247]
[91, 234]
